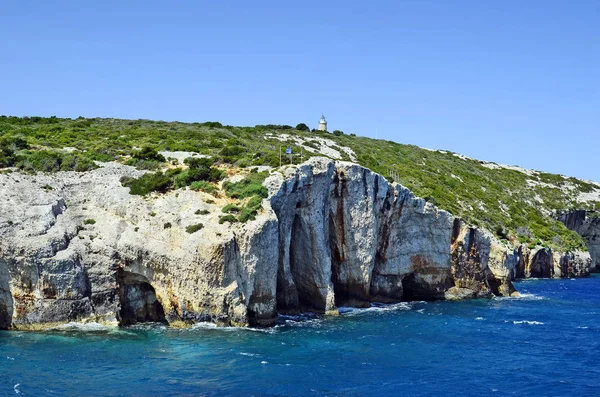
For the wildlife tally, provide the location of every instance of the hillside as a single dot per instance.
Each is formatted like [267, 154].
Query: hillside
[517, 204]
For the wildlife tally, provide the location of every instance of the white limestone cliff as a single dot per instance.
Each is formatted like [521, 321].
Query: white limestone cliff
[330, 234]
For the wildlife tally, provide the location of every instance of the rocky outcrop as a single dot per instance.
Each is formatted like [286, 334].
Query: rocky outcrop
[542, 262]
[587, 225]
[79, 247]
[347, 237]
[481, 265]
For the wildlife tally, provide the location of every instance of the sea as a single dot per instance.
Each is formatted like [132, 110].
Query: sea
[544, 343]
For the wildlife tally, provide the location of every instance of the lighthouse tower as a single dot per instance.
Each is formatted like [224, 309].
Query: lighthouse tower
[322, 124]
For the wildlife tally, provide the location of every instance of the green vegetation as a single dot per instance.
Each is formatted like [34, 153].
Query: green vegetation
[302, 127]
[227, 218]
[231, 208]
[204, 186]
[250, 192]
[500, 199]
[167, 225]
[15, 152]
[197, 176]
[202, 212]
[146, 159]
[194, 228]
[248, 187]
[89, 222]
[147, 183]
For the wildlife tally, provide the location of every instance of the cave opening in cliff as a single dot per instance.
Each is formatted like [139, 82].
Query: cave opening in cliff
[542, 265]
[138, 300]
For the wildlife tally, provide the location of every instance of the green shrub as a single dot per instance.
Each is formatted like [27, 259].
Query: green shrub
[148, 153]
[142, 164]
[204, 186]
[231, 208]
[89, 221]
[194, 228]
[230, 154]
[167, 225]
[147, 183]
[302, 127]
[198, 162]
[227, 218]
[202, 212]
[248, 187]
[49, 161]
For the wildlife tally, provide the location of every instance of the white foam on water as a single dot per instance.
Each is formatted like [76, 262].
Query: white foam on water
[264, 362]
[249, 354]
[528, 322]
[315, 322]
[375, 308]
[582, 327]
[16, 388]
[522, 297]
[212, 326]
[479, 318]
[73, 326]
[204, 325]
[10, 358]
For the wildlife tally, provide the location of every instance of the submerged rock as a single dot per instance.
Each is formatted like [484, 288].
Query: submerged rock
[79, 247]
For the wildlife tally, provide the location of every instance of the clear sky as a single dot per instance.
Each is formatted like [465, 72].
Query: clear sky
[515, 82]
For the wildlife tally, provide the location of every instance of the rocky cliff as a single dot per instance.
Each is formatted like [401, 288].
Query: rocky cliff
[79, 247]
[587, 225]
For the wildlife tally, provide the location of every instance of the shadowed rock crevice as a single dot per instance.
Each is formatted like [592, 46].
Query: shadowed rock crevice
[310, 296]
[542, 264]
[138, 300]
[6, 301]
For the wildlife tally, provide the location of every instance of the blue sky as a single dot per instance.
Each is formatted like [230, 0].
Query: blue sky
[516, 82]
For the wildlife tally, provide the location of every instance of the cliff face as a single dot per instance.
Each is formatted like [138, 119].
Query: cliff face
[587, 225]
[78, 247]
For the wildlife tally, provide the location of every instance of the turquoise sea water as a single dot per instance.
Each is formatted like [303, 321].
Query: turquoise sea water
[545, 343]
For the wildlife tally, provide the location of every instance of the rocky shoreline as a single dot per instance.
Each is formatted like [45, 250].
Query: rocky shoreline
[79, 247]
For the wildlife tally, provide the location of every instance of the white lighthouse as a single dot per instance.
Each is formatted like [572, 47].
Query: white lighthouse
[322, 124]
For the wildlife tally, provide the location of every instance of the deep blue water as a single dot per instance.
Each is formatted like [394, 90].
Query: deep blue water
[545, 343]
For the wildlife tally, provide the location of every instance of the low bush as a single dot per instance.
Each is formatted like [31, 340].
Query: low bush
[205, 187]
[231, 208]
[227, 218]
[148, 153]
[147, 183]
[49, 161]
[89, 222]
[194, 228]
[248, 187]
[142, 164]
